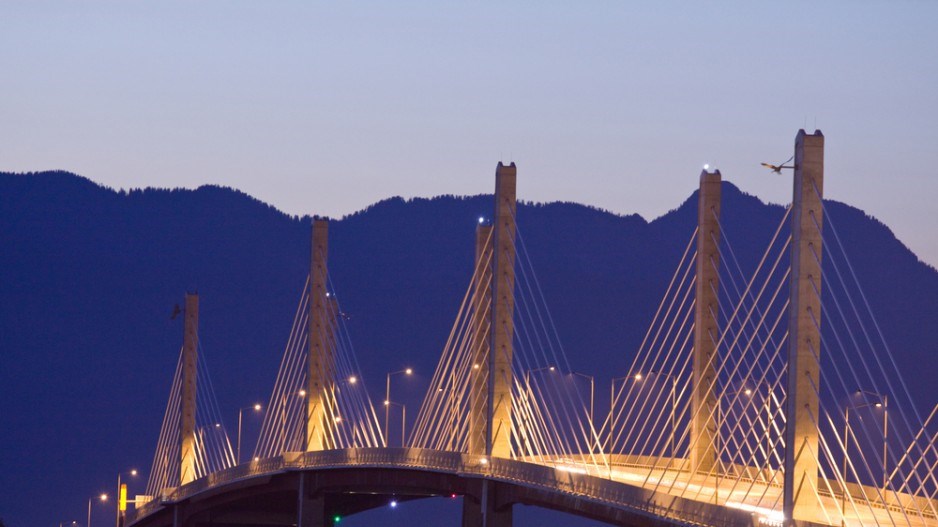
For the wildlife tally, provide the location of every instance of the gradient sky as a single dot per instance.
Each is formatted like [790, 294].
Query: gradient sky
[327, 107]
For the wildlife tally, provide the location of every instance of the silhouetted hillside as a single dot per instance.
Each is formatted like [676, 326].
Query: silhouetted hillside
[90, 277]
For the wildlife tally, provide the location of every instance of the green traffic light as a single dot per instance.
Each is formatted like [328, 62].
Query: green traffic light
[336, 519]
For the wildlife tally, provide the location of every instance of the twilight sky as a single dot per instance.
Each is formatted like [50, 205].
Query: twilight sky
[327, 107]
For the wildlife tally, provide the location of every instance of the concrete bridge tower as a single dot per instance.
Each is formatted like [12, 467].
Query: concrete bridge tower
[321, 345]
[490, 426]
[704, 427]
[804, 351]
[190, 361]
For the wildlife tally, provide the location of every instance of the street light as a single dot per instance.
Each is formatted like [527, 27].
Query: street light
[592, 381]
[387, 398]
[102, 497]
[387, 406]
[121, 493]
[612, 404]
[883, 403]
[671, 445]
[257, 408]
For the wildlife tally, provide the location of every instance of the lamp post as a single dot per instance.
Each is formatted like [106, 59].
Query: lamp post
[592, 381]
[671, 445]
[102, 497]
[387, 398]
[257, 408]
[387, 405]
[882, 403]
[612, 404]
[120, 513]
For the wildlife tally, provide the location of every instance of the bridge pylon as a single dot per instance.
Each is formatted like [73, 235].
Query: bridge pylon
[804, 340]
[490, 390]
[503, 308]
[190, 360]
[704, 427]
[321, 356]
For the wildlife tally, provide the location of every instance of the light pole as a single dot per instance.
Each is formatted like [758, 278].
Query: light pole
[257, 408]
[102, 497]
[671, 445]
[592, 381]
[120, 494]
[612, 404]
[387, 405]
[387, 398]
[882, 403]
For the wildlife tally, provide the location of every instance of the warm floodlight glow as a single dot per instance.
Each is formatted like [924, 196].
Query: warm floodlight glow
[133, 472]
[217, 425]
[879, 405]
[257, 407]
[552, 368]
[638, 376]
[257, 459]
[475, 366]
[387, 402]
[748, 391]
[484, 461]
[104, 497]
[408, 371]
[353, 379]
[302, 393]
[338, 418]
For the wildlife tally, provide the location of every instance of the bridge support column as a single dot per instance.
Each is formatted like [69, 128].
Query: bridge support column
[804, 350]
[321, 358]
[310, 510]
[503, 304]
[190, 359]
[704, 427]
[481, 340]
[482, 507]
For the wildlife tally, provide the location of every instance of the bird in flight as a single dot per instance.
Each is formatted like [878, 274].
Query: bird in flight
[778, 168]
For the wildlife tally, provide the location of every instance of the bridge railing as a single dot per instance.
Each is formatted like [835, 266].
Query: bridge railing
[562, 477]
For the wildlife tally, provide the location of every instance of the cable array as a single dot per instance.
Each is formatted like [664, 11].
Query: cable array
[213, 448]
[349, 418]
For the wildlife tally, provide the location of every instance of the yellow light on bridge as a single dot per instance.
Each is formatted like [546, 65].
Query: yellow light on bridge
[122, 498]
[638, 376]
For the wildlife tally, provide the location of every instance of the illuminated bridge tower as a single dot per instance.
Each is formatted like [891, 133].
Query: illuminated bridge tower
[486, 507]
[190, 360]
[804, 349]
[704, 427]
[321, 344]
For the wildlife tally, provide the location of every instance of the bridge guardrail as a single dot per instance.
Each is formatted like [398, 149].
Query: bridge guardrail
[558, 478]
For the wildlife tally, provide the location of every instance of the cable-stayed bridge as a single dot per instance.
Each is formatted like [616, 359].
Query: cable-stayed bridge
[758, 396]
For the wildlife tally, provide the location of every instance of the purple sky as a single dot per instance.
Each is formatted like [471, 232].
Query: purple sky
[324, 108]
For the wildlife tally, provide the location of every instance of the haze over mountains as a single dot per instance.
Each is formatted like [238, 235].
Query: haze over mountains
[90, 276]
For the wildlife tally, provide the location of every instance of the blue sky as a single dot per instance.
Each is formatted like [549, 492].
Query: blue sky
[327, 107]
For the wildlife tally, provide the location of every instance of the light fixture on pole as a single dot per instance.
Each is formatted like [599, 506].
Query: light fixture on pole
[102, 497]
[637, 377]
[257, 408]
[883, 403]
[387, 405]
[387, 397]
[592, 381]
[121, 504]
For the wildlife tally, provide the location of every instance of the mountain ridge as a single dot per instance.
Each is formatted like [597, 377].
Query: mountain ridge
[90, 275]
